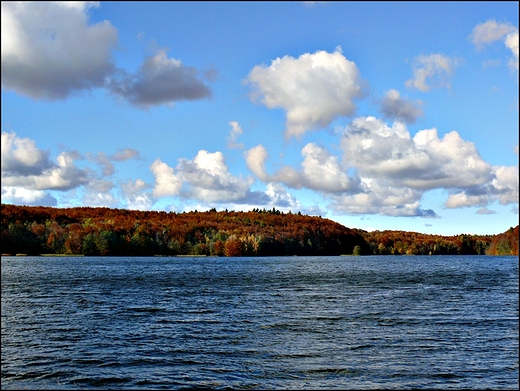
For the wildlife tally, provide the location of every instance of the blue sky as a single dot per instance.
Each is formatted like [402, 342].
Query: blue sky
[376, 115]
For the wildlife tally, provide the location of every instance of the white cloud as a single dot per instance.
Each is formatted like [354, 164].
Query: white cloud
[136, 195]
[102, 159]
[320, 170]
[380, 197]
[280, 198]
[236, 130]
[125, 154]
[390, 171]
[20, 156]
[395, 107]
[27, 171]
[105, 161]
[167, 183]
[490, 31]
[49, 49]
[206, 178]
[512, 44]
[24, 165]
[313, 89]
[463, 199]
[21, 196]
[503, 188]
[485, 211]
[64, 176]
[209, 178]
[424, 162]
[313, 3]
[255, 159]
[432, 71]
[160, 80]
[94, 199]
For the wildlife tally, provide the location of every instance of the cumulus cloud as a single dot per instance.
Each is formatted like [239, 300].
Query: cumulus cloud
[380, 197]
[105, 161]
[167, 183]
[209, 178]
[432, 71]
[49, 49]
[28, 174]
[320, 171]
[24, 165]
[485, 211]
[136, 195]
[62, 176]
[279, 197]
[490, 31]
[236, 130]
[423, 162]
[387, 171]
[21, 157]
[313, 89]
[512, 44]
[255, 159]
[502, 188]
[21, 196]
[395, 107]
[206, 178]
[160, 80]
[97, 193]
[313, 3]
[125, 154]
[348, 194]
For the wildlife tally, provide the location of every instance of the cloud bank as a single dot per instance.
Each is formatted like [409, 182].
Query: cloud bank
[386, 171]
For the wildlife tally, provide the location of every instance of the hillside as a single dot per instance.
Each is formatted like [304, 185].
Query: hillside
[104, 231]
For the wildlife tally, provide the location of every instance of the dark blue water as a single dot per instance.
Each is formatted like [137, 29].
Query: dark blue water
[260, 323]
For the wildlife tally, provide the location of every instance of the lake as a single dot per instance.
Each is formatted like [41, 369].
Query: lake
[393, 322]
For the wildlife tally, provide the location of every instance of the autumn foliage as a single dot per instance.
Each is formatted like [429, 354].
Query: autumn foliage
[104, 231]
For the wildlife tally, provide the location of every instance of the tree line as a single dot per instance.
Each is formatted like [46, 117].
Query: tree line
[119, 232]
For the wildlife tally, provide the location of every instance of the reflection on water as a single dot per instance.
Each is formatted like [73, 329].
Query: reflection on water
[269, 323]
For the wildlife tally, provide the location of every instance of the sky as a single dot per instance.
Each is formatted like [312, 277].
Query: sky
[377, 115]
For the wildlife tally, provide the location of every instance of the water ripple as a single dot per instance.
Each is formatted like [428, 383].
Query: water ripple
[260, 323]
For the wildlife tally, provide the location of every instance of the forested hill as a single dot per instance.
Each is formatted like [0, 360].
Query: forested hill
[104, 231]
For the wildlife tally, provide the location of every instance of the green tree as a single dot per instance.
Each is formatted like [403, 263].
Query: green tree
[357, 250]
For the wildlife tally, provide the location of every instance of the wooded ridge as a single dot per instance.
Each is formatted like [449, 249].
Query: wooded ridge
[103, 231]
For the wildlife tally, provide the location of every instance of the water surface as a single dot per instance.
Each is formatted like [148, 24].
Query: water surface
[260, 323]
